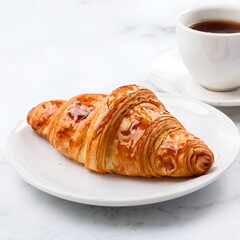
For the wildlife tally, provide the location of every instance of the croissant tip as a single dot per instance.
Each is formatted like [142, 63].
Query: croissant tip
[203, 165]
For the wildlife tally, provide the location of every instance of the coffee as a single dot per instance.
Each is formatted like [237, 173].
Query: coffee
[217, 26]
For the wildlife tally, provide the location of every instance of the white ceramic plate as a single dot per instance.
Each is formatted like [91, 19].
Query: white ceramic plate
[46, 169]
[169, 74]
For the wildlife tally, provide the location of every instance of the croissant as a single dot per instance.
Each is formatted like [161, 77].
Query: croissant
[127, 132]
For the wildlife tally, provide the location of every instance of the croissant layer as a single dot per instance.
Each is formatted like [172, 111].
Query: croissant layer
[128, 132]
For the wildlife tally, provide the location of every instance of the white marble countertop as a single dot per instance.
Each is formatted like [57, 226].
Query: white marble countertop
[61, 48]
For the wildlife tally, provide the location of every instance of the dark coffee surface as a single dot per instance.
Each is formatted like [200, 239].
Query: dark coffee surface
[217, 26]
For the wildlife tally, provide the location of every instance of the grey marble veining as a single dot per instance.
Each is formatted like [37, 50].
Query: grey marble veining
[148, 31]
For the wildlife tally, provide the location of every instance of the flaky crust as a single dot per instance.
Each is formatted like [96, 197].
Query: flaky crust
[128, 132]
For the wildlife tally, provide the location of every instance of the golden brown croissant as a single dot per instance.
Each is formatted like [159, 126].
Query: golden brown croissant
[128, 132]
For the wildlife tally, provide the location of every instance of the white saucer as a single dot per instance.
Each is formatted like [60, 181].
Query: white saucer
[169, 74]
[39, 164]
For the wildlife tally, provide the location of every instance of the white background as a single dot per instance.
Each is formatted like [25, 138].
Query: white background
[57, 49]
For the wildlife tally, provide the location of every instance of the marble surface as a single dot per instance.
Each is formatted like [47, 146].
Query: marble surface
[56, 49]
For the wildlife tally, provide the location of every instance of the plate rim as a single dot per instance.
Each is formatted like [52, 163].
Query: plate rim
[214, 102]
[153, 198]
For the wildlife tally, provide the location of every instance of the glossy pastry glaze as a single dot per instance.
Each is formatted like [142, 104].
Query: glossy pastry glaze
[40, 116]
[128, 132]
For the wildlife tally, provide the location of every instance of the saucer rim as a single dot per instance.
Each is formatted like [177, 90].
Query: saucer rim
[214, 102]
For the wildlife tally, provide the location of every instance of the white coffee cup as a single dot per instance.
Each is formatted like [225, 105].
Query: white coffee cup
[213, 59]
